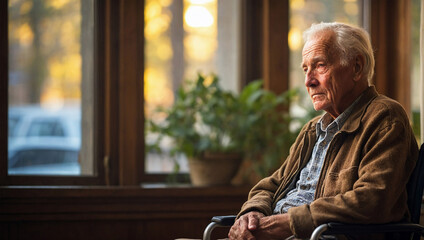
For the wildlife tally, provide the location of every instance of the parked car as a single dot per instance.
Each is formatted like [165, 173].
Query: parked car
[44, 156]
[43, 142]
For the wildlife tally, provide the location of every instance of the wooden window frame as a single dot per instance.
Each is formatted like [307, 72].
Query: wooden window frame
[99, 177]
[119, 116]
[391, 39]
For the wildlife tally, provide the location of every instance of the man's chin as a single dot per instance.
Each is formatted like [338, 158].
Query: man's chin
[318, 106]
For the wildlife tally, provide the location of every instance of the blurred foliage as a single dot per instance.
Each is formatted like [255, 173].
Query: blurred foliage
[206, 118]
[44, 49]
[416, 125]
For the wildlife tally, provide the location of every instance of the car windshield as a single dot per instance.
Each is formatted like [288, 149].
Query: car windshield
[44, 142]
[12, 122]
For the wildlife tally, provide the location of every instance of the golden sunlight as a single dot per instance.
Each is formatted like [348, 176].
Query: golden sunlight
[25, 34]
[295, 39]
[198, 16]
[201, 1]
[154, 79]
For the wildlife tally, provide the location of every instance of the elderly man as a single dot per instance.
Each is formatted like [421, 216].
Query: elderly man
[349, 165]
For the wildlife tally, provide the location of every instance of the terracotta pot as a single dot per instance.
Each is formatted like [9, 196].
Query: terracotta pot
[214, 169]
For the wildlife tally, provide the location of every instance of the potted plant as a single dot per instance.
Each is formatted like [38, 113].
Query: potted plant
[213, 127]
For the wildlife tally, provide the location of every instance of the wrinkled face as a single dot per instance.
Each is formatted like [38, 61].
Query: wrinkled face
[329, 84]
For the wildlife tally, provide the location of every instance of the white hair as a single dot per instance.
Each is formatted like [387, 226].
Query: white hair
[350, 41]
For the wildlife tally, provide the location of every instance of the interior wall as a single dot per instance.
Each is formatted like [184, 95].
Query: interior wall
[114, 213]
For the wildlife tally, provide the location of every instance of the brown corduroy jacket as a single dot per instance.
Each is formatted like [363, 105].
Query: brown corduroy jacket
[364, 175]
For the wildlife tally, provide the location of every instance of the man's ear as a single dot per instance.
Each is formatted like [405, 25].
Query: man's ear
[359, 67]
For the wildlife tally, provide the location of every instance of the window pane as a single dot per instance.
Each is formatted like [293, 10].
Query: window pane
[182, 38]
[302, 14]
[50, 87]
[415, 65]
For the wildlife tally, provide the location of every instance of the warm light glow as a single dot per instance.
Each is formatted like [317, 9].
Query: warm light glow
[295, 39]
[351, 8]
[67, 69]
[25, 8]
[152, 10]
[25, 35]
[52, 99]
[165, 3]
[156, 27]
[198, 16]
[297, 4]
[156, 88]
[158, 53]
[199, 48]
[201, 1]
[58, 4]
[164, 52]
[200, 38]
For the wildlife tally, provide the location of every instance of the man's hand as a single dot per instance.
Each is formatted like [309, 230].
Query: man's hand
[273, 227]
[255, 226]
[243, 227]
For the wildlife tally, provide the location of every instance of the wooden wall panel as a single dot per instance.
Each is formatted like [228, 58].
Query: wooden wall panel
[390, 36]
[114, 213]
[275, 45]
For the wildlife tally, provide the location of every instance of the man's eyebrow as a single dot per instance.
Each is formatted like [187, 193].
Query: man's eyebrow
[313, 61]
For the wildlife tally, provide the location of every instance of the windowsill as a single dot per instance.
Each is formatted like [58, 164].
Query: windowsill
[156, 190]
[32, 203]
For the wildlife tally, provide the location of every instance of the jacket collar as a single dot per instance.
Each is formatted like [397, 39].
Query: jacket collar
[353, 122]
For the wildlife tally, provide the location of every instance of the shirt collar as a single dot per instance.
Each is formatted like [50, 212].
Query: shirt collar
[326, 121]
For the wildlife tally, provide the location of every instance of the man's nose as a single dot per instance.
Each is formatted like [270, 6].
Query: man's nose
[310, 80]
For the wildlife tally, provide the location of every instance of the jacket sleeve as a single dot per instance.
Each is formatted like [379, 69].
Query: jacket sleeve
[388, 153]
[262, 194]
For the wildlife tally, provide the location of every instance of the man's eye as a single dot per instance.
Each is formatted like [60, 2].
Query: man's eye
[305, 70]
[321, 67]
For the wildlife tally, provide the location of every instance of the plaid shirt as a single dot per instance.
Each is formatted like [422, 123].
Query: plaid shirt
[304, 191]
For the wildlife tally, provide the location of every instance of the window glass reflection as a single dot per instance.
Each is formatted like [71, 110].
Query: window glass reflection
[50, 72]
[182, 38]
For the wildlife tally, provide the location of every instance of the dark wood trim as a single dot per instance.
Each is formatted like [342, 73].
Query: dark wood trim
[130, 89]
[166, 212]
[111, 108]
[99, 90]
[251, 41]
[61, 203]
[265, 55]
[4, 72]
[51, 180]
[390, 35]
[275, 45]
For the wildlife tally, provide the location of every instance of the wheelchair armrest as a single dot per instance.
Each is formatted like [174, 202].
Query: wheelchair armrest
[224, 220]
[218, 221]
[334, 228]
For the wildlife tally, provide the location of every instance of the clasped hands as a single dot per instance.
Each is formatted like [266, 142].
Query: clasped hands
[256, 226]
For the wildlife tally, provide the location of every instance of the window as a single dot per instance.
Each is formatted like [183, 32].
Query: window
[51, 88]
[46, 127]
[415, 65]
[183, 38]
[111, 77]
[47, 161]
